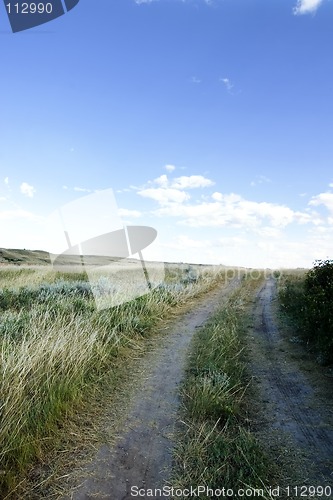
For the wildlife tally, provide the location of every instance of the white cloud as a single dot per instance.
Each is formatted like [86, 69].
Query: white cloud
[164, 195]
[183, 182]
[161, 181]
[227, 83]
[269, 232]
[195, 79]
[260, 179]
[19, 214]
[27, 190]
[191, 182]
[3, 198]
[325, 199]
[232, 210]
[6, 180]
[124, 212]
[306, 6]
[217, 196]
[223, 210]
[170, 168]
[170, 191]
[231, 241]
[228, 228]
[182, 242]
[82, 190]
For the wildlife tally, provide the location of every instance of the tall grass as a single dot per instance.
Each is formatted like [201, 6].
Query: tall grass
[54, 344]
[217, 449]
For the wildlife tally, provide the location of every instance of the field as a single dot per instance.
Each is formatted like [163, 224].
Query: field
[90, 359]
[56, 345]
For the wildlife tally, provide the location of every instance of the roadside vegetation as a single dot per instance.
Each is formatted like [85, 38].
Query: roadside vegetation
[56, 349]
[306, 298]
[216, 447]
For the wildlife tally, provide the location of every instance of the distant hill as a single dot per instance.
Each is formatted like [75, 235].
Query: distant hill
[40, 257]
[27, 257]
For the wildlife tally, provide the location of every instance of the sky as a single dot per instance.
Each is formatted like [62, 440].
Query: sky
[211, 121]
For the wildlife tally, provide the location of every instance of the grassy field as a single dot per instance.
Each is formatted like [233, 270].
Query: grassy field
[217, 447]
[55, 346]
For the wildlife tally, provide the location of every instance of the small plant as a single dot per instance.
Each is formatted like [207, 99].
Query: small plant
[190, 275]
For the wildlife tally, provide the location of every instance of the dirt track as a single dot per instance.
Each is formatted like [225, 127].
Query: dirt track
[295, 399]
[293, 410]
[142, 456]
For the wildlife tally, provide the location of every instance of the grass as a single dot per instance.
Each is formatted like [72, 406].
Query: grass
[217, 448]
[56, 349]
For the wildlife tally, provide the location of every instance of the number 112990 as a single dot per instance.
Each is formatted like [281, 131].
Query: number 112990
[29, 8]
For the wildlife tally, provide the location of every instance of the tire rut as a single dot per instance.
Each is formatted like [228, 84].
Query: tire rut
[294, 407]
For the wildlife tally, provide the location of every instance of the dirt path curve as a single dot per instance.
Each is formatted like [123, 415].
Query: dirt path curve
[142, 456]
[295, 397]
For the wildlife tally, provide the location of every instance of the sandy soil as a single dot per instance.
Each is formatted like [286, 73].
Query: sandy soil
[294, 404]
[142, 455]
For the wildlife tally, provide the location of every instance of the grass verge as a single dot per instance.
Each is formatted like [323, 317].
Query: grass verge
[217, 449]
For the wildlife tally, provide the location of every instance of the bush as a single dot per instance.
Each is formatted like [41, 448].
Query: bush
[308, 301]
[318, 289]
[292, 298]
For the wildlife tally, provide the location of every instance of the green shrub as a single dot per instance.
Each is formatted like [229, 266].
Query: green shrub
[292, 298]
[308, 301]
[318, 289]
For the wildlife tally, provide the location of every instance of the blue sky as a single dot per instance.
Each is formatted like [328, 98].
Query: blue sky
[211, 120]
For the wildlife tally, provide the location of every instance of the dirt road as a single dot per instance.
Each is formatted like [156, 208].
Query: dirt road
[292, 407]
[294, 398]
[142, 456]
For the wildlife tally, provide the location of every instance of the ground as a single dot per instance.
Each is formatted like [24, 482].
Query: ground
[290, 405]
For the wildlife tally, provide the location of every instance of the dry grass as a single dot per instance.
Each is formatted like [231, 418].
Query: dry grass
[56, 349]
